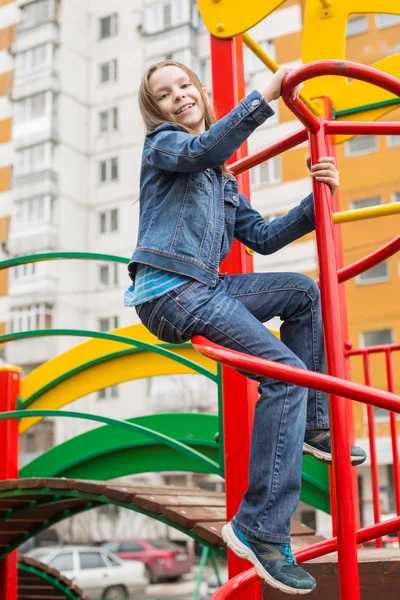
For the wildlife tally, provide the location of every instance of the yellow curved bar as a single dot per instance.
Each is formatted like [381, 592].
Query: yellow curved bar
[370, 212]
[273, 66]
[112, 372]
[125, 368]
[226, 18]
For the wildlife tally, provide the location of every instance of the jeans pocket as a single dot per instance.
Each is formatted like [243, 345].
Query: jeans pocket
[171, 334]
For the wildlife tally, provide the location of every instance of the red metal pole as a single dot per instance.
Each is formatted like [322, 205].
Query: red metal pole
[9, 390]
[346, 526]
[239, 392]
[393, 432]
[372, 450]
[338, 239]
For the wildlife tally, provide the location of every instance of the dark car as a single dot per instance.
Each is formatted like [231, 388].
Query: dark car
[163, 559]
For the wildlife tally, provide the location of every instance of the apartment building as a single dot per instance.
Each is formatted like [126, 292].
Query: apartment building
[69, 77]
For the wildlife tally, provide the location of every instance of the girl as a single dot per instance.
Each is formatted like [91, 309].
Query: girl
[190, 210]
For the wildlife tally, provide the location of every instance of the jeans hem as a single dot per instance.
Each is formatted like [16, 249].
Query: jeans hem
[317, 425]
[262, 536]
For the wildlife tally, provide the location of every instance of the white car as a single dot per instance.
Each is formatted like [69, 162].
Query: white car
[96, 571]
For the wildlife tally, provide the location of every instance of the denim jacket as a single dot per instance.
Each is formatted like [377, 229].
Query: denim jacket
[190, 212]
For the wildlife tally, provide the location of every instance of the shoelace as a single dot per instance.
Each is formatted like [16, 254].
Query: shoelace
[287, 551]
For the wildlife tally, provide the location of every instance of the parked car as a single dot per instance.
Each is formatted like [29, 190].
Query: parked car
[48, 537]
[163, 559]
[96, 571]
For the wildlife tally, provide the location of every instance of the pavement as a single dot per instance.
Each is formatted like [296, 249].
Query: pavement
[184, 588]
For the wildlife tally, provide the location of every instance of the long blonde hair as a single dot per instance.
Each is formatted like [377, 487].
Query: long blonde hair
[151, 113]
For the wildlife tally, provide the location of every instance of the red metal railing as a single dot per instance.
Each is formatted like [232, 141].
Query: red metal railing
[317, 130]
[387, 350]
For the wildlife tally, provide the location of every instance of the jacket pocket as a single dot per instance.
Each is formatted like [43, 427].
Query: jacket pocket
[201, 179]
[230, 206]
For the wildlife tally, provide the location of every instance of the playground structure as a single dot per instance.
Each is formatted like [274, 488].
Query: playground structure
[189, 443]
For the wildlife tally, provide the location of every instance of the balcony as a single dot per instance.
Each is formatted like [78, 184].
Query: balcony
[35, 184]
[39, 80]
[33, 240]
[41, 284]
[32, 351]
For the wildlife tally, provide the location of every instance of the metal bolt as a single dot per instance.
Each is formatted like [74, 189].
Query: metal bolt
[220, 27]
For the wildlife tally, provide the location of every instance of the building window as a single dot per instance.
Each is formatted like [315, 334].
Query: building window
[37, 12]
[366, 202]
[108, 26]
[108, 275]
[396, 197]
[267, 173]
[361, 144]
[34, 58]
[23, 271]
[38, 439]
[28, 318]
[376, 337]
[108, 323]
[205, 73]
[108, 393]
[33, 211]
[32, 107]
[252, 63]
[108, 221]
[167, 16]
[386, 20]
[393, 141]
[32, 159]
[356, 26]
[108, 71]
[108, 120]
[377, 274]
[108, 169]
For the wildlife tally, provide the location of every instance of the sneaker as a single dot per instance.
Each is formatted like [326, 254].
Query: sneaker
[317, 443]
[273, 562]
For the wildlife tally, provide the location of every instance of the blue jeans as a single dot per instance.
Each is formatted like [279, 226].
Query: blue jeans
[232, 315]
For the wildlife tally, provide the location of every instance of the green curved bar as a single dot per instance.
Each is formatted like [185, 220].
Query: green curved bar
[68, 593]
[11, 337]
[21, 260]
[107, 452]
[212, 466]
[28, 401]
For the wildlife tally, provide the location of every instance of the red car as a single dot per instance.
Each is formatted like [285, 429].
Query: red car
[163, 559]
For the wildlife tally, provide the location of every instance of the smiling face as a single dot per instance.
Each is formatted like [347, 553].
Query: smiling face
[178, 97]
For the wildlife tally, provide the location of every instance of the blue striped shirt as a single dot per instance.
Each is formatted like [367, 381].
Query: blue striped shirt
[151, 283]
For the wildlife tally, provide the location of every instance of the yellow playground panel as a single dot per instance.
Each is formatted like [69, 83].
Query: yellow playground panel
[99, 374]
[324, 37]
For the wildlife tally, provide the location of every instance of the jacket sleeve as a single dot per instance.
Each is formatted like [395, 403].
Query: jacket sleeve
[266, 238]
[170, 148]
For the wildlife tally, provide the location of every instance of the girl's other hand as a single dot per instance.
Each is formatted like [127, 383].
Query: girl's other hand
[325, 171]
[273, 89]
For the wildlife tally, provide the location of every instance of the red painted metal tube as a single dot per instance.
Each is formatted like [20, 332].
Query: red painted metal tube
[338, 241]
[373, 350]
[393, 432]
[290, 141]
[232, 587]
[306, 379]
[362, 127]
[9, 390]
[369, 261]
[372, 451]
[347, 548]
[343, 68]
[239, 392]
